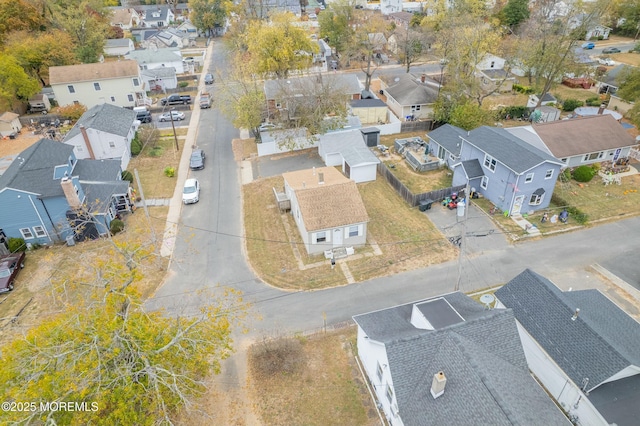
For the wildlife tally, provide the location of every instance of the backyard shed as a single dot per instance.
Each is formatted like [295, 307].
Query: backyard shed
[9, 124]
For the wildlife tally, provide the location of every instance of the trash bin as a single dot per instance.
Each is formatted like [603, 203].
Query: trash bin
[425, 205]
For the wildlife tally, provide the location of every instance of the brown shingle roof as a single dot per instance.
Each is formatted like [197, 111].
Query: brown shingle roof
[92, 72]
[336, 202]
[8, 116]
[566, 138]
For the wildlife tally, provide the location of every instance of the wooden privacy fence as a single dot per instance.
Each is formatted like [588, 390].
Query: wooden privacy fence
[414, 199]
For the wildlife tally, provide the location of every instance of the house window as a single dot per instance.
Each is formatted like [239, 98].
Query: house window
[321, 237]
[389, 394]
[415, 108]
[136, 82]
[130, 97]
[593, 156]
[536, 198]
[490, 162]
[528, 178]
[379, 372]
[564, 160]
[484, 182]
[113, 99]
[26, 233]
[353, 231]
[549, 174]
[71, 89]
[96, 86]
[40, 232]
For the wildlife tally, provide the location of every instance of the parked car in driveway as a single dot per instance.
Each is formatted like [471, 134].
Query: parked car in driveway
[588, 45]
[610, 50]
[10, 266]
[191, 191]
[196, 162]
[177, 116]
[606, 61]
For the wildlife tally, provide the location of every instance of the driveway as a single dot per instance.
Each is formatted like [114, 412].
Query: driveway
[274, 165]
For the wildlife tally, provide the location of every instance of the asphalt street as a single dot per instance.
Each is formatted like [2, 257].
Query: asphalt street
[208, 254]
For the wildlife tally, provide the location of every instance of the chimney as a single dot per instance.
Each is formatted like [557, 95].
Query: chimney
[87, 142]
[423, 78]
[601, 109]
[320, 178]
[438, 384]
[575, 316]
[70, 193]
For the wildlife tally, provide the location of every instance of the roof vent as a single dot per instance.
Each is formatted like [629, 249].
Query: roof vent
[438, 384]
[575, 315]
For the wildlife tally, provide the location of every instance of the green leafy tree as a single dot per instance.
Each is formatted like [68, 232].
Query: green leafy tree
[279, 47]
[19, 15]
[369, 38]
[468, 116]
[15, 83]
[336, 25]
[209, 14]
[514, 13]
[627, 12]
[629, 84]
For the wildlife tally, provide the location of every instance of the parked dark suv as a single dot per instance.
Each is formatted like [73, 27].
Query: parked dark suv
[143, 116]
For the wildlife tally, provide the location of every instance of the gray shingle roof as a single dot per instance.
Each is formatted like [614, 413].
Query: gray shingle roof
[617, 401]
[473, 169]
[488, 382]
[278, 89]
[448, 137]
[367, 103]
[150, 56]
[411, 91]
[340, 140]
[98, 195]
[161, 72]
[97, 170]
[106, 118]
[117, 42]
[508, 149]
[494, 73]
[32, 170]
[601, 342]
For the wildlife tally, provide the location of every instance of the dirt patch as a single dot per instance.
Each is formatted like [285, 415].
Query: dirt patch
[9, 147]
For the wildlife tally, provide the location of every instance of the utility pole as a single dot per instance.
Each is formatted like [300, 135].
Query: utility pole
[175, 138]
[463, 239]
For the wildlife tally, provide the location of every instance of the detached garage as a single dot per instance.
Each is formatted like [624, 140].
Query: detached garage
[359, 164]
[349, 150]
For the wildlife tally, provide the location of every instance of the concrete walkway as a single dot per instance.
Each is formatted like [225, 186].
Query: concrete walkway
[155, 202]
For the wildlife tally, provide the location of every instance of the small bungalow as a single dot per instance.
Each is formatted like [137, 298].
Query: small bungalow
[327, 209]
[9, 124]
[151, 59]
[410, 97]
[118, 47]
[160, 79]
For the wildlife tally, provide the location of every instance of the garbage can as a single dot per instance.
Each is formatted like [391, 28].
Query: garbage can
[425, 205]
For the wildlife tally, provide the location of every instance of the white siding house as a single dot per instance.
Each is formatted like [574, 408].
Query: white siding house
[117, 83]
[118, 47]
[151, 59]
[348, 150]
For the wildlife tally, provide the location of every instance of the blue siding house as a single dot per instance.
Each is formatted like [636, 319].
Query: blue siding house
[514, 175]
[47, 195]
[445, 142]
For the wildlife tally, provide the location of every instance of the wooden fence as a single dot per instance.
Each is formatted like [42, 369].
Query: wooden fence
[414, 199]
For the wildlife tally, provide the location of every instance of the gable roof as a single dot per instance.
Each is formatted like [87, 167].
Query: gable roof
[350, 144]
[511, 151]
[448, 137]
[410, 90]
[357, 155]
[150, 56]
[611, 77]
[8, 116]
[347, 83]
[600, 342]
[488, 381]
[98, 195]
[93, 72]
[367, 103]
[566, 138]
[118, 42]
[91, 171]
[32, 170]
[105, 118]
[162, 72]
[163, 12]
[527, 134]
[472, 169]
[123, 16]
[336, 202]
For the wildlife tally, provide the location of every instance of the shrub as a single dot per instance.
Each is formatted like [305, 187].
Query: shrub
[527, 90]
[513, 111]
[583, 173]
[183, 84]
[17, 244]
[136, 145]
[116, 226]
[571, 104]
[282, 356]
[156, 151]
[565, 175]
[594, 102]
[72, 112]
[576, 214]
[126, 175]
[169, 171]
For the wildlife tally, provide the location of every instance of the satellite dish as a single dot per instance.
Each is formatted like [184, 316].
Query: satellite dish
[487, 300]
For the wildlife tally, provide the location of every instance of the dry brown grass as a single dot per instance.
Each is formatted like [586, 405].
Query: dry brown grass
[244, 148]
[328, 389]
[563, 92]
[626, 58]
[418, 182]
[507, 99]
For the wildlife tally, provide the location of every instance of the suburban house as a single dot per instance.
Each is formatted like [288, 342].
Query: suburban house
[610, 82]
[370, 111]
[492, 74]
[160, 79]
[189, 28]
[393, 10]
[349, 150]
[327, 209]
[580, 141]
[448, 360]
[160, 17]
[118, 83]
[593, 30]
[444, 143]
[126, 18]
[283, 95]
[169, 37]
[151, 59]
[104, 132]
[517, 177]
[47, 195]
[410, 97]
[118, 47]
[9, 124]
[581, 346]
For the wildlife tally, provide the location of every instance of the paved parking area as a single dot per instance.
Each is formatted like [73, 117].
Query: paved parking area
[274, 165]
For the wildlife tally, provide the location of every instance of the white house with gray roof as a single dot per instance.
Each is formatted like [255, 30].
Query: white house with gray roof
[349, 150]
[582, 347]
[410, 97]
[118, 46]
[150, 59]
[449, 361]
[160, 79]
[104, 132]
[158, 17]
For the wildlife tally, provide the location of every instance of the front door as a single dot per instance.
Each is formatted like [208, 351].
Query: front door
[337, 237]
[517, 204]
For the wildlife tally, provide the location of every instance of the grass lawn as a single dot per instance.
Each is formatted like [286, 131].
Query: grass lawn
[418, 182]
[312, 381]
[563, 92]
[626, 58]
[152, 161]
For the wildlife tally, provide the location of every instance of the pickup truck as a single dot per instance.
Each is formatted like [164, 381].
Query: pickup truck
[176, 100]
[205, 100]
